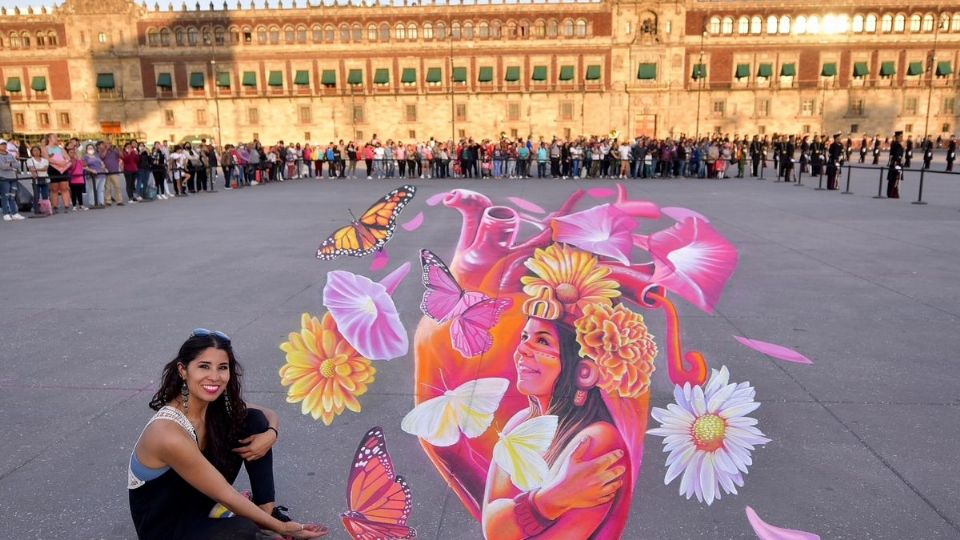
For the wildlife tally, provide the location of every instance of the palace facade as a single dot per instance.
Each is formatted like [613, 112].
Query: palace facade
[326, 72]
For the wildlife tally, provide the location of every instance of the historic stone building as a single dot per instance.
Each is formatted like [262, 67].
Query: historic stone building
[321, 72]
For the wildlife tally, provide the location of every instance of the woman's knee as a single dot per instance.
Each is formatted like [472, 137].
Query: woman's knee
[256, 421]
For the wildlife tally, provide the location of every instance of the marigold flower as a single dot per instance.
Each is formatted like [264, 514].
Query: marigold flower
[574, 275]
[325, 374]
[618, 341]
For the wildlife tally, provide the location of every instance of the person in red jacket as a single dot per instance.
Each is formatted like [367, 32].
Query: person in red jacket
[131, 165]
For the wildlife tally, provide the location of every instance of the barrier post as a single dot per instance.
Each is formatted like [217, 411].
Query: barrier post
[820, 183]
[799, 178]
[212, 179]
[847, 191]
[879, 194]
[920, 200]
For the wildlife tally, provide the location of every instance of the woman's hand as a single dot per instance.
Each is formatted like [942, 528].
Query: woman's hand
[298, 530]
[256, 446]
[581, 483]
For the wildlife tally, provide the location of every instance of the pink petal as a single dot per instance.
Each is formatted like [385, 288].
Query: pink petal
[678, 213]
[533, 220]
[765, 531]
[437, 199]
[694, 261]
[391, 280]
[772, 349]
[380, 260]
[365, 315]
[642, 241]
[638, 208]
[602, 230]
[524, 204]
[414, 223]
[601, 192]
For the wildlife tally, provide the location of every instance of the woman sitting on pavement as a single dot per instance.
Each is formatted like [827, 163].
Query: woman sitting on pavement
[182, 466]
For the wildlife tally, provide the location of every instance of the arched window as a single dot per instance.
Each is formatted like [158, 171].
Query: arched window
[427, 31]
[553, 28]
[581, 30]
[743, 25]
[785, 24]
[384, 32]
[52, 39]
[468, 30]
[301, 34]
[219, 35]
[345, 33]
[317, 34]
[412, 31]
[164, 37]
[813, 25]
[441, 30]
[539, 28]
[568, 28]
[756, 24]
[289, 34]
[800, 27]
[274, 35]
[14, 41]
[483, 30]
[261, 35]
[857, 23]
[371, 32]
[329, 33]
[181, 36]
[955, 23]
[523, 29]
[870, 25]
[25, 40]
[714, 27]
[886, 23]
[915, 22]
[899, 23]
[400, 32]
[357, 32]
[455, 30]
[153, 38]
[205, 37]
[842, 23]
[511, 29]
[772, 24]
[41, 40]
[496, 29]
[192, 36]
[928, 22]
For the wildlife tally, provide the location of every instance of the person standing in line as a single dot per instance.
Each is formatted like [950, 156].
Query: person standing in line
[951, 152]
[896, 167]
[114, 169]
[834, 155]
[756, 154]
[97, 172]
[352, 156]
[864, 148]
[848, 149]
[131, 166]
[143, 171]
[76, 172]
[876, 149]
[38, 167]
[927, 152]
[908, 152]
[9, 168]
[158, 166]
[787, 159]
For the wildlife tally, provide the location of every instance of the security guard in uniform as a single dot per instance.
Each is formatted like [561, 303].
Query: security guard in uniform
[834, 157]
[951, 152]
[896, 167]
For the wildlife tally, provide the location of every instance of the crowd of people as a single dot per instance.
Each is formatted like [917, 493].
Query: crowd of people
[72, 175]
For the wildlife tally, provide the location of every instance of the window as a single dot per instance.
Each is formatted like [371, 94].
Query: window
[306, 136]
[253, 116]
[908, 128]
[384, 32]
[806, 107]
[755, 25]
[247, 35]
[727, 26]
[201, 117]
[568, 29]
[274, 35]
[441, 31]
[945, 128]
[955, 25]
[400, 32]
[785, 24]
[949, 105]
[762, 130]
[460, 112]
[763, 108]
[427, 31]
[743, 25]
[496, 29]
[813, 25]
[289, 34]
[714, 27]
[553, 28]
[899, 23]
[261, 35]
[800, 27]
[410, 113]
[910, 105]
[358, 113]
[468, 30]
[344, 33]
[168, 117]
[805, 129]
[358, 135]
[219, 36]
[317, 34]
[514, 133]
[886, 23]
[856, 109]
[19, 120]
[566, 111]
[101, 38]
[372, 33]
[513, 112]
[304, 114]
[539, 29]
[301, 34]
[461, 133]
[356, 32]
[928, 23]
[153, 38]
[854, 128]
[915, 22]
[192, 36]
[719, 107]
[857, 24]
[165, 37]
[43, 119]
[64, 119]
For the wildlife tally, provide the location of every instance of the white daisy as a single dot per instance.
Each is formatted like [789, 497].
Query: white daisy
[708, 436]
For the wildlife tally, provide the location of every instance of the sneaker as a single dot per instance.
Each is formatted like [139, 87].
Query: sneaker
[132, 201]
[279, 513]
[18, 217]
[82, 207]
[254, 183]
[7, 217]
[228, 188]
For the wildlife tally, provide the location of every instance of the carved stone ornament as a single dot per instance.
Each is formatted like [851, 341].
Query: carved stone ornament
[92, 7]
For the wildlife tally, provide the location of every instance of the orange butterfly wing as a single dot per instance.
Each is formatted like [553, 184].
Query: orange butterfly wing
[371, 231]
[379, 502]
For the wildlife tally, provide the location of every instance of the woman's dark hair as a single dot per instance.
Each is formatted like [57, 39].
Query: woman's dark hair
[222, 427]
[572, 418]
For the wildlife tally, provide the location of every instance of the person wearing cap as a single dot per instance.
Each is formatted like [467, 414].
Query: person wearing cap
[896, 167]
[908, 154]
[8, 184]
[876, 149]
[951, 152]
[927, 152]
[834, 156]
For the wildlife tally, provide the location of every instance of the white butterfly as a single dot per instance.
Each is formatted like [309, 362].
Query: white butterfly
[520, 452]
[469, 408]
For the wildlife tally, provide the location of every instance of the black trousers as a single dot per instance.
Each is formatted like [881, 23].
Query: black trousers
[260, 471]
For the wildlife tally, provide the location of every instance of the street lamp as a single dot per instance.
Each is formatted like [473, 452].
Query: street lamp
[215, 88]
[931, 67]
[700, 77]
[453, 107]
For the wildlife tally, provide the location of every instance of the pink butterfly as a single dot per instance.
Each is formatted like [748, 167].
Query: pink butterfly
[472, 314]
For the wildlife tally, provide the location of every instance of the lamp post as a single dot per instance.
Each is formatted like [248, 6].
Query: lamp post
[453, 107]
[931, 67]
[700, 77]
[215, 88]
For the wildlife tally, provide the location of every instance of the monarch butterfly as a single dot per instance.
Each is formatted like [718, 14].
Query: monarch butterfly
[371, 231]
[379, 501]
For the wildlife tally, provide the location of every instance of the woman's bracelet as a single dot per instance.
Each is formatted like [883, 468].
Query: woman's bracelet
[277, 433]
[530, 520]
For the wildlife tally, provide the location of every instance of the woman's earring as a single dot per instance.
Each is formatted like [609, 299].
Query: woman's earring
[587, 377]
[226, 403]
[184, 396]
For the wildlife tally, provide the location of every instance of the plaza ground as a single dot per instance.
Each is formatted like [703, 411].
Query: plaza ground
[864, 441]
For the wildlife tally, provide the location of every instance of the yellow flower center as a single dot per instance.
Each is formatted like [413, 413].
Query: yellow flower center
[566, 293]
[369, 306]
[327, 368]
[708, 432]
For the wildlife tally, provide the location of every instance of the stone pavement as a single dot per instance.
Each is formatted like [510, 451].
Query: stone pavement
[864, 441]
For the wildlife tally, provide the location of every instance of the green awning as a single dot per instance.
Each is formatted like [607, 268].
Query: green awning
[539, 73]
[39, 84]
[13, 84]
[788, 70]
[915, 68]
[743, 71]
[566, 73]
[593, 72]
[250, 78]
[381, 76]
[459, 75]
[355, 77]
[860, 69]
[435, 74]
[223, 79]
[513, 74]
[408, 76]
[765, 70]
[485, 74]
[699, 71]
[196, 80]
[275, 78]
[888, 69]
[329, 77]
[648, 72]
[302, 78]
[104, 81]
[944, 68]
[165, 80]
[829, 69]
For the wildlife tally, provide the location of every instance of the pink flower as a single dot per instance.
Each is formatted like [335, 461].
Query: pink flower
[693, 260]
[601, 230]
[365, 313]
